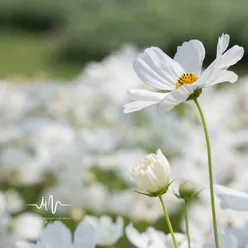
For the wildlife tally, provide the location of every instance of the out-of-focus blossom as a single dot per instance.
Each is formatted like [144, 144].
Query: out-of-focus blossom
[14, 201]
[11, 202]
[28, 226]
[229, 222]
[225, 240]
[58, 235]
[231, 198]
[149, 239]
[107, 232]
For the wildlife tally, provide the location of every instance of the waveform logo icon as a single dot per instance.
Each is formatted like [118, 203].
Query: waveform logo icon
[49, 205]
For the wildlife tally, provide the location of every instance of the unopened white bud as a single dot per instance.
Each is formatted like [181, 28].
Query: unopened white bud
[152, 174]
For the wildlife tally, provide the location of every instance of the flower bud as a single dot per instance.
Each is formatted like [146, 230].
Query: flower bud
[152, 174]
[186, 190]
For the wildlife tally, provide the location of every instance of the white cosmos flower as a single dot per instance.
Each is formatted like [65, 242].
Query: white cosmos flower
[231, 198]
[180, 76]
[152, 174]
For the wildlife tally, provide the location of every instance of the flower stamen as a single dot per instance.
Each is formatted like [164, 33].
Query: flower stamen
[186, 78]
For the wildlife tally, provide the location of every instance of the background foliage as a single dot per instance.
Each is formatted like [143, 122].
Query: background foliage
[88, 30]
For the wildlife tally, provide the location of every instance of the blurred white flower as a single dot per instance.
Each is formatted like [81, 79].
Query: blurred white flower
[120, 161]
[181, 75]
[152, 174]
[231, 198]
[180, 238]
[6, 238]
[96, 198]
[103, 139]
[225, 240]
[14, 201]
[10, 202]
[107, 232]
[28, 226]
[145, 208]
[231, 224]
[58, 235]
[116, 73]
[151, 238]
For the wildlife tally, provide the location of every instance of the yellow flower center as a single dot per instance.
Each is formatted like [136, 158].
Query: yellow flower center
[186, 78]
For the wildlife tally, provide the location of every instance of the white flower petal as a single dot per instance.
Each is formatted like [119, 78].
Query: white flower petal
[56, 235]
[137, 239]
[162, 159]
[157, 238]
[146, 95]
[176, 96]
[157, 69]
[190, 56]
[240, 234]
[136, 106]
[231, 57]
[223, 43]
[23, 244]
[151, 238]
[213, 74]
[180, 238]
[223, 76]
[85, 236]
[143, 98]
[231, 198]
[225, 240]
[107, 232]
[28, 226]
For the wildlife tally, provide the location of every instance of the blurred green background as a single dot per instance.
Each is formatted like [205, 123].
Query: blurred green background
[56, 38]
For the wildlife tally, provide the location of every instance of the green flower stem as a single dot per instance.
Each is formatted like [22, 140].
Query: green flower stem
[168, 222]
[210, 174]
[187, 222]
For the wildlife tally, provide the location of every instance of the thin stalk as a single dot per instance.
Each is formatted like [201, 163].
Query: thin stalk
[168, 222]
[187, 222]
[210, 170]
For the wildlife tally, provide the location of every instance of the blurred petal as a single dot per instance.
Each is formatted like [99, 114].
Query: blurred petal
[137, 239]
[180, 239]
[190, 56]
[25, 245]
[85, 236]
[107, 231]
[240, 234]
[231, 198]
[151, 238]
[56, 235]
[225, 240]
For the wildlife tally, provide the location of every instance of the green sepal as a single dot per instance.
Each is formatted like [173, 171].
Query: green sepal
[197, 92]
[158, 193]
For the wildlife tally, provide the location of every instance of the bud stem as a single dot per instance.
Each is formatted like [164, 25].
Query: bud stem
[168, 222]
[210, 173]
[187, 222]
